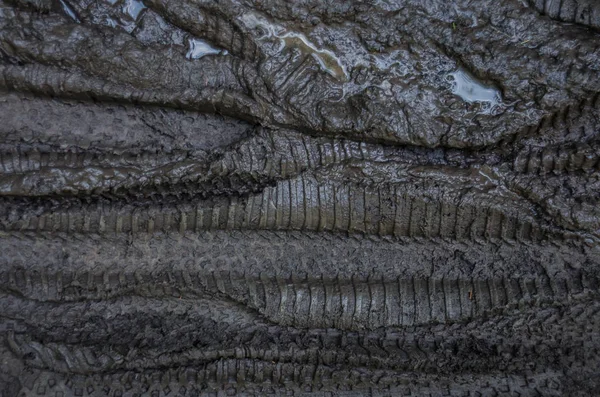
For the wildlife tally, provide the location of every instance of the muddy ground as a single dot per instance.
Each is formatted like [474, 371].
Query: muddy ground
[329, 198]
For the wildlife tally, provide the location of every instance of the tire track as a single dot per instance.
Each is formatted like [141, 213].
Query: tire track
[582, 12]
[419, 349]
[306, 203]
[409, 208]
[244, 376]
[343, 303]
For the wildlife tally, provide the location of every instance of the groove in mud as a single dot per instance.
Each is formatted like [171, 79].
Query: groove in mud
[266, 378]
[304, 204]
[339, 303]
[581, 12]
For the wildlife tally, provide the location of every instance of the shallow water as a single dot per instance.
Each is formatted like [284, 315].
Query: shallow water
[327, 60]
[133, 8]
[471, 90]
[199, 48]
[69, 11]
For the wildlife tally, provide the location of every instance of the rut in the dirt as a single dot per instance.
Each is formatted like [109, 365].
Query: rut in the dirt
[299, 198]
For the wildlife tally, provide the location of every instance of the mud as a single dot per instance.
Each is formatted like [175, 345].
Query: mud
[378, 198]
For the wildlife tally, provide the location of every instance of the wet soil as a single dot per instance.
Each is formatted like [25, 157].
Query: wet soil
[248, 197]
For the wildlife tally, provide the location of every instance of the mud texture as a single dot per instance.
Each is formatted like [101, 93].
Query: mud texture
[328, 198]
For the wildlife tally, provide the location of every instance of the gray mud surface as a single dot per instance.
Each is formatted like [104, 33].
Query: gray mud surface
[328, 198]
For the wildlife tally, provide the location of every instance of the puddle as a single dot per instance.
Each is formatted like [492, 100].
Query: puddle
[133, 8]
[69, 11]
[326, 59]
[108, 21]
[199, 48]
[472, 90]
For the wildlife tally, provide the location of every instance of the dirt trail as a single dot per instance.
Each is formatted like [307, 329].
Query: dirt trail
[299, 198]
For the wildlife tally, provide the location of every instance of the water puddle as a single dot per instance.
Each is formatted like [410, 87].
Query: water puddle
[199, 48]
[326, 59]
[133, 8]
[471, 90]
[133, 17]
[69, 11]
[108, 21]
[124, 15]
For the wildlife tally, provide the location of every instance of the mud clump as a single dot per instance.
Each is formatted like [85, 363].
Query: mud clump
[306, 198]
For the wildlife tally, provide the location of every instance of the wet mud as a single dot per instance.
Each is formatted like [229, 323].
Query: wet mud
[380, 198]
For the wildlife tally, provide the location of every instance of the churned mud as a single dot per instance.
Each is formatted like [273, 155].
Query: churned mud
[338, 198]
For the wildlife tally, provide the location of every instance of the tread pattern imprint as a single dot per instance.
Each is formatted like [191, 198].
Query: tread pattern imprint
[341, 198]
